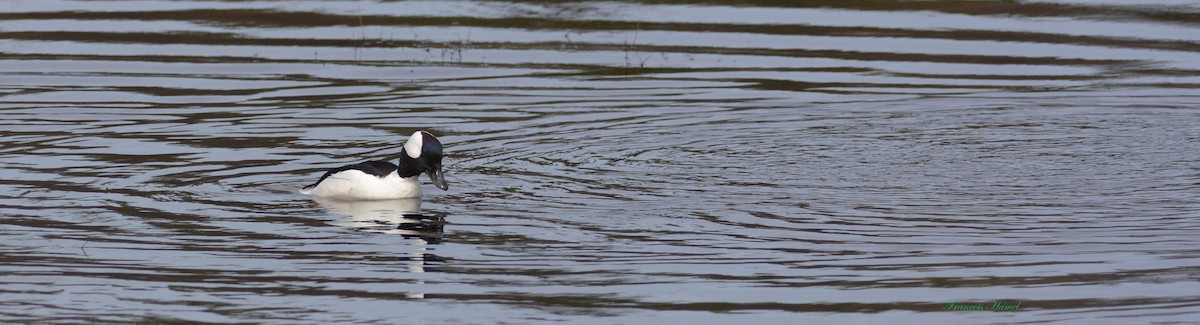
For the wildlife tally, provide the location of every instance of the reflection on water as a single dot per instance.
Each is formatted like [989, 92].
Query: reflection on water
[398, 217]
[621, 162]
[401, 216]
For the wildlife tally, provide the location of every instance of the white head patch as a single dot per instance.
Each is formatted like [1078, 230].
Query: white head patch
[413, 146]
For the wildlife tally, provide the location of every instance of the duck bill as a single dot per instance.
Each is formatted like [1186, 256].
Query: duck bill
[438, 179]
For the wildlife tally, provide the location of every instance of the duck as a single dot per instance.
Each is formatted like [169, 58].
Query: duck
[382, 180]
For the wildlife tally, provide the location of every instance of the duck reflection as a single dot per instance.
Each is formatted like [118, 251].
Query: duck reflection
[399, 216]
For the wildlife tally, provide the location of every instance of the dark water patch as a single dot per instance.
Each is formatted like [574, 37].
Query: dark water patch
[621, 162]
[196, 38]
[1132, 11]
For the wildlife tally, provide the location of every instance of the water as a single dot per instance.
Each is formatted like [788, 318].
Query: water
[609, 162]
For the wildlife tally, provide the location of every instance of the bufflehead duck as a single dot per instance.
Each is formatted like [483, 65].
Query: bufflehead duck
[382, 180]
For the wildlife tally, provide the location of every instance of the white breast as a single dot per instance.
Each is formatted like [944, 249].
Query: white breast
[357, 185]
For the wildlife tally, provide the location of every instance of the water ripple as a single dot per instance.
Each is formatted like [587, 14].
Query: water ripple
[615, 162]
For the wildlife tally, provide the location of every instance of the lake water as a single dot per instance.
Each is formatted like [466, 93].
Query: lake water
[609, 162]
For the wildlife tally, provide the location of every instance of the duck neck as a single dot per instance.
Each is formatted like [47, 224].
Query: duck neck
[408, 166]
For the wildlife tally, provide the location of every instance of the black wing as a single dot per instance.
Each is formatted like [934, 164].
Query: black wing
[379, 168]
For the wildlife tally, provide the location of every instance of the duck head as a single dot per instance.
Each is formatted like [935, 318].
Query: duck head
[423, 154]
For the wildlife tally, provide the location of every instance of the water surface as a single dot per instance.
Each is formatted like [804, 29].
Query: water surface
[609, 162]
